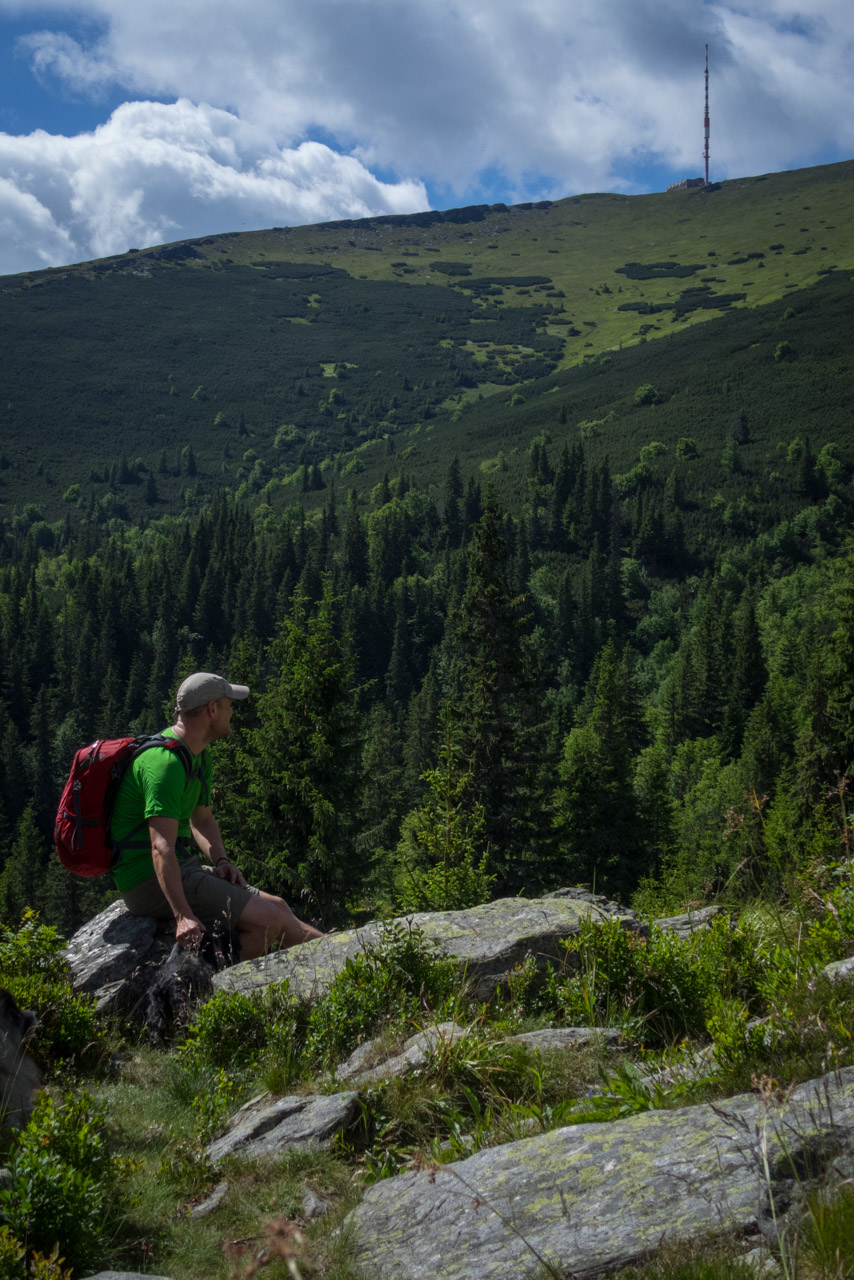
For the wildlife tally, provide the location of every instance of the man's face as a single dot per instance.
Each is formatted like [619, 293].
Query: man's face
[221, 719]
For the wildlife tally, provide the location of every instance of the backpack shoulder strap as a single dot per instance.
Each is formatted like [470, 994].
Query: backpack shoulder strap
[179, 748]
[175, 745]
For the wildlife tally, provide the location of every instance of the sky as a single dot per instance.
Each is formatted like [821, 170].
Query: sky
[125, 124]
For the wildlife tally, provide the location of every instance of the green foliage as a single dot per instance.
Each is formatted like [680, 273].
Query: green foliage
[659, 989]
[831, 936]
[698, 1260]
[14, 1264]
[392, 981]
[214, 1105]
[232, 1029]
[825, 1241]
[301, 764]
[32, 967]
[647, 394]
[444, 867]
[625, 1092]
[64, 1188]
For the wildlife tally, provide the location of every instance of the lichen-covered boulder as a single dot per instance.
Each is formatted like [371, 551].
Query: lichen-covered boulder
[839, 970]
[486, 942]
[591, 1198]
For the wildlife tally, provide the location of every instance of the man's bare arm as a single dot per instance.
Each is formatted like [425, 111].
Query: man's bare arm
[208, 837]
[164, 833]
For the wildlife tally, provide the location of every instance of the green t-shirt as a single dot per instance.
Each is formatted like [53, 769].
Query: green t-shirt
[155, 786]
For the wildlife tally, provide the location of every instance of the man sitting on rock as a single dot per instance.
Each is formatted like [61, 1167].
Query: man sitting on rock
[158, 874]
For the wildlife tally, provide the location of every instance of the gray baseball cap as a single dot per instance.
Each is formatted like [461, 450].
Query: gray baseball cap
[204, 686]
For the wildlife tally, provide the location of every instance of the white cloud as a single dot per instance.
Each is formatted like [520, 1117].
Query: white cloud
[448, 89]
[28, 231]
[158, 172]
[553, 98]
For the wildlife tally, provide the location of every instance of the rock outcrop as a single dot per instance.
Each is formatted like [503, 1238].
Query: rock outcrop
[591, 1198]
[106, 952]
[20, 1078]
[267, 1126]
[116, 957]
[485, 942]
[367, 1064]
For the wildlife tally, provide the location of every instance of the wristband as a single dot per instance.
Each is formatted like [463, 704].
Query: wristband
[220, 860]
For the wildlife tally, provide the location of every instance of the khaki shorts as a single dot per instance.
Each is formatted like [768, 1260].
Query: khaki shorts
[209, 897]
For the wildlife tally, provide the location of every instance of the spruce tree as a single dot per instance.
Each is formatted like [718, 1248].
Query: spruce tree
[496, 710]
[301, 767]
[601, 839]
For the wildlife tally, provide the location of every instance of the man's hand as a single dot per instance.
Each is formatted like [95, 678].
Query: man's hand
[227, 871]
[188, 931]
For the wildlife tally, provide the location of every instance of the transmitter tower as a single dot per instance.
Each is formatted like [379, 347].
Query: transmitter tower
[706, 119]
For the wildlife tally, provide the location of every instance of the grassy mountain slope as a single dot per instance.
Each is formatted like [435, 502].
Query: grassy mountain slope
[262, 352]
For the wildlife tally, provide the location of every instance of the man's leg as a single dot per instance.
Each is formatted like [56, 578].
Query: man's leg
[261, 920]
[266, 922]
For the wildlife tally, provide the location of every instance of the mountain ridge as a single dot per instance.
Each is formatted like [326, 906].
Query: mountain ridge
[307, 346]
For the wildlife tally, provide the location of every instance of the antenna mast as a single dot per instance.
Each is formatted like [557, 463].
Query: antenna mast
[706, 118]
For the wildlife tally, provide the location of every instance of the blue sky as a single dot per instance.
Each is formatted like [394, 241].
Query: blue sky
[124, 125]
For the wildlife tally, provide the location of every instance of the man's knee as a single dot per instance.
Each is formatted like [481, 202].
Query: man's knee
[275, 918]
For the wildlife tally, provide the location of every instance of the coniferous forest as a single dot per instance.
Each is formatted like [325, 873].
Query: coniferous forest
[593, 624]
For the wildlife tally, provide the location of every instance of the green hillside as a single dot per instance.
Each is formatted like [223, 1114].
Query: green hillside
[150, 379]
[530, 532]
[607, 605]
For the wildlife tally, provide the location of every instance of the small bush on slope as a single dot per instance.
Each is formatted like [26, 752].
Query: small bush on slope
[64, 1187]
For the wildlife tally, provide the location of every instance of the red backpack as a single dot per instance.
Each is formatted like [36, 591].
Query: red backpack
[82, 830]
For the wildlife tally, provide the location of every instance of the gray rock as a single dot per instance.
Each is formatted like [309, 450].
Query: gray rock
[124, 1275]
[592, 1198]
[20, 1078]
[569, 1038]
[267, 1126]
[366, 1065]
[486, 942]
[213, 1201]
[313, 1205]
[105, 952]
[761, 1262]
[689, 923]
[839, 971]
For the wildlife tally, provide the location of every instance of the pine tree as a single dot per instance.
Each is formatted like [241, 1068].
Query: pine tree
[355, 550]
[422, 721]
